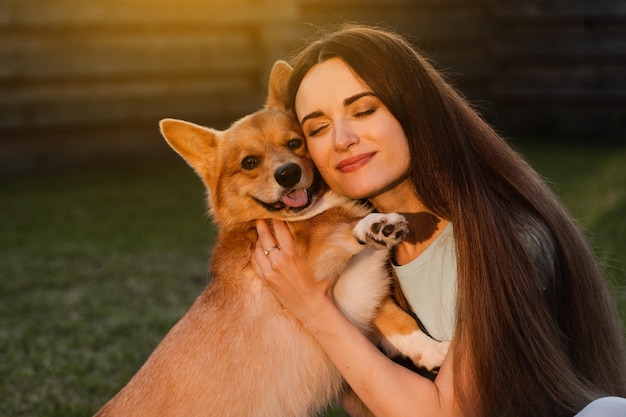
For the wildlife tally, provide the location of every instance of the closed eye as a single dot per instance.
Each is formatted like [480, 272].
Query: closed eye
[365, 112]
[317, 130]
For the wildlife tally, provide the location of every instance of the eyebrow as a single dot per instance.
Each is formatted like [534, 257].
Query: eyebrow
[311, 116]
[355, 97]
[346, 102]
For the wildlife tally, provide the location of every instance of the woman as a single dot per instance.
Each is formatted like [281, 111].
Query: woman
[533, 328]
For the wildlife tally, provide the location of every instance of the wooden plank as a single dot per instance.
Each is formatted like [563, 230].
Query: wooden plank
[399, 4]
[555, 49]
[115, 54]
[584, 77]
[108, 13]
[537, 10]
[574, 121]
[51, 106]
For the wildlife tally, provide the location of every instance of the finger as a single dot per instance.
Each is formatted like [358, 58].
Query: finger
[283, 234]
[265, 235]
[260, 262]
[260, 258]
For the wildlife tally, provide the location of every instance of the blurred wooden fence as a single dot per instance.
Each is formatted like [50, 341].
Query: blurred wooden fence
[82, 80]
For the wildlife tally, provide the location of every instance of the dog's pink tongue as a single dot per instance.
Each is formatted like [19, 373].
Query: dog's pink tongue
[296, 198]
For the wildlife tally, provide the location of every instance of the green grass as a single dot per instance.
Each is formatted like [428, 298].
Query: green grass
[97, 265]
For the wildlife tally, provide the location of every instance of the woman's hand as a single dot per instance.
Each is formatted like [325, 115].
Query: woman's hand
[277, 263]
[386, 388]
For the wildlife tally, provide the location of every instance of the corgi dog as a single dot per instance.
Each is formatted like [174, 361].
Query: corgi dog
[236, 352]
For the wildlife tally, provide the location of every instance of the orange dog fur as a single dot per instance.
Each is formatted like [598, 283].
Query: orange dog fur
[236, 352]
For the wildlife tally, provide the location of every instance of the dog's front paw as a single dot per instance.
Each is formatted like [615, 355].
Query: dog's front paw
[382, 229]
[423, 351]
[432, 359]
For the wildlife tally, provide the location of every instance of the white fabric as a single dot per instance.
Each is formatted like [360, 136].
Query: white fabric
[605, 407]
[429, 283]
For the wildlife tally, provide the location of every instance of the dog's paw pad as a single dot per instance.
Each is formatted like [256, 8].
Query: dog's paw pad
[383, 229]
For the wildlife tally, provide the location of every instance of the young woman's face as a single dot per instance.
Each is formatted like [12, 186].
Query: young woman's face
[359, 147]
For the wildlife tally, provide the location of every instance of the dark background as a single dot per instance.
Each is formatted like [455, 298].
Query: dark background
[82, 82]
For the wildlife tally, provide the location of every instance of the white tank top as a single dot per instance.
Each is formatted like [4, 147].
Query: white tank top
[429, 283]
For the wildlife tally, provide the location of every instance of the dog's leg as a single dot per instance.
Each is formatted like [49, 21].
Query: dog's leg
[400, 335]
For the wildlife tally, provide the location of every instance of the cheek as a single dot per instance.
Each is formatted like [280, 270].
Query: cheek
[402, 157]
[316, 153]
[400, 163]
[399, 145]
[323, 164]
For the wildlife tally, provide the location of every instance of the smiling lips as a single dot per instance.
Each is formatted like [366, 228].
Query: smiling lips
[354, 163]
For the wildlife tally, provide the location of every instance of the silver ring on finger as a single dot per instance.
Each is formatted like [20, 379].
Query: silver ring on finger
[268, 250]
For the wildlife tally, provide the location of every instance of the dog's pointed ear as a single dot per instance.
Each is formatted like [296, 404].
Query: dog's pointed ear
[279, 77]
[194, 143]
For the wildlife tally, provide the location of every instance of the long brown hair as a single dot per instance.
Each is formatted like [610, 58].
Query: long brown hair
[536, 327]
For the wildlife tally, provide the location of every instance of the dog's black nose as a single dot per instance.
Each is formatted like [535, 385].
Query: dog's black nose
[288, 175]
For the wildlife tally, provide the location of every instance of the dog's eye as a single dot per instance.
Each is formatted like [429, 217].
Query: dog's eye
[295, 143]
[250, 162]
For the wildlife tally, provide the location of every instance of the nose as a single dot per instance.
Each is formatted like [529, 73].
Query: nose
[344, 136]
[288, 175]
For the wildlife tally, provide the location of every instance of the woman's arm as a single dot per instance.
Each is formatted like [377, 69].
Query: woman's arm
[387, 388]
